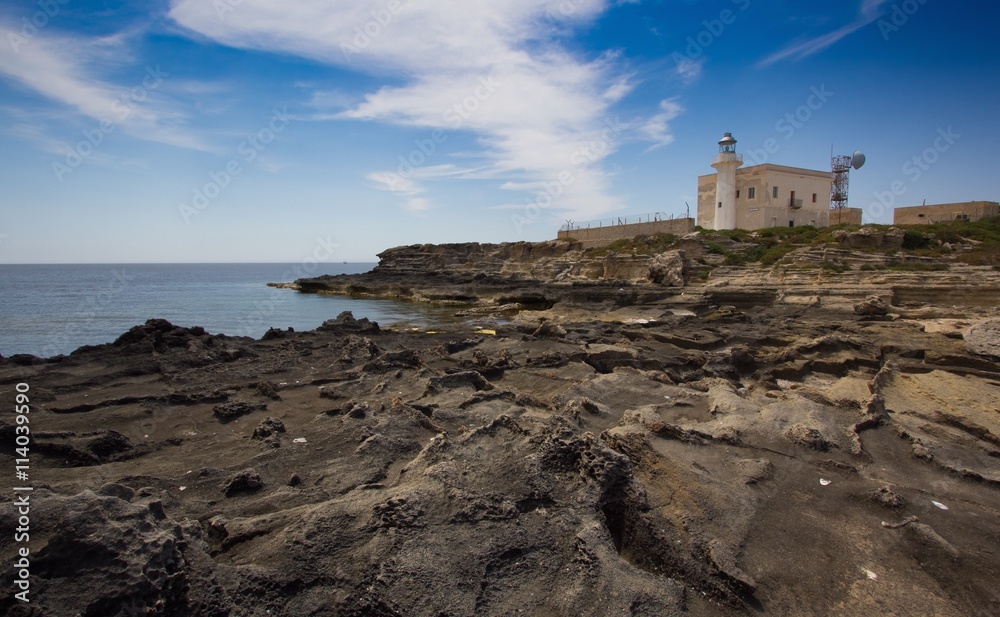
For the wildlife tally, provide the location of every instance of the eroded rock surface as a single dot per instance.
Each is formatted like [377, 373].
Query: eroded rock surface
[644, 461]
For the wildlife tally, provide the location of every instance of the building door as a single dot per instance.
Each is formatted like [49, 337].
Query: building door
[791, 223]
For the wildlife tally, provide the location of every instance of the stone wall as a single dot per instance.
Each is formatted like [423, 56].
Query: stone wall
[598, 236]
[940, 213]
[845, 216]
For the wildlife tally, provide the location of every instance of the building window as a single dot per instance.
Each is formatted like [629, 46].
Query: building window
[737, 193]
[751, 192]
[775, 192]
[720, 204]
[814, 197]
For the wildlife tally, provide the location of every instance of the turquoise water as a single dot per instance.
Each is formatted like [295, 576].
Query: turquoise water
[46, 310]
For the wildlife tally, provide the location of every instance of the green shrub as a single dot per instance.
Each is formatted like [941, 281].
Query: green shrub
[755, 253]
[913, 240]
[735, 259]
[715, 248]
[775, 253]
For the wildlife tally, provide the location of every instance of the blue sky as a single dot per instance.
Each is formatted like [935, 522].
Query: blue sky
[256, 130]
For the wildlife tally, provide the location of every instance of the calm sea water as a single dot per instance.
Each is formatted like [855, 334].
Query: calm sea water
[47, 310]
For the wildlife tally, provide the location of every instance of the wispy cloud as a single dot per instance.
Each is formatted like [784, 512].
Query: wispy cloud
[689, 69]
[869, 11]
[657, 128]
[70, 71]
[494, 69]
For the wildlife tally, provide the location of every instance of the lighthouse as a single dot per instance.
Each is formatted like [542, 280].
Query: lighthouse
[725, 164]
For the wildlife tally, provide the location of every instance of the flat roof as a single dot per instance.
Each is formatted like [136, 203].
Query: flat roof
[826, 175]
[953, 203]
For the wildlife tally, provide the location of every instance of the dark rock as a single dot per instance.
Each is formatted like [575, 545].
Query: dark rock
[245, 481]
[457, 380]
[109, 444]
[126, 560]
[269, 427]
[396, 512]
[274, 333]
[234, 409]
[268, 389]
[885, 496]
[453, 347]
[549, 330]
[393, 360]
[330, 392]
[345, 323]
[116, 490]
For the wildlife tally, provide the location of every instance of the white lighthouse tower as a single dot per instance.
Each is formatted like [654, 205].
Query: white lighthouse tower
[725, 164]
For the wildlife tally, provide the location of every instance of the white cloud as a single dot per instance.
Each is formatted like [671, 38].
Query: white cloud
[869, 11]
[657, 128]
[66, 70]
[495, 69]
[688, 68]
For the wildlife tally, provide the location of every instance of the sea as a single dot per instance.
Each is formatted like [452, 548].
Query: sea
[47, 310]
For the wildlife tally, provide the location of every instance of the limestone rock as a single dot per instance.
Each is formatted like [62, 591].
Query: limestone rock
[870, 238]
[667, 269]
[872, 305]
[984, 338]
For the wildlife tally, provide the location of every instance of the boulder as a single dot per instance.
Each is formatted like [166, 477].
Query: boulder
[245, 481]
[870, 238]
[667, 269]
[984, 338]
[872, 305]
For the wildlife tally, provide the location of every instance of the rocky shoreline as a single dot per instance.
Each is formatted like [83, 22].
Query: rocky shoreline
[606, 434]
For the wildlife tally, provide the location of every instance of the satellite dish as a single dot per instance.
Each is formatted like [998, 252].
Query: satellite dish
[857, 160]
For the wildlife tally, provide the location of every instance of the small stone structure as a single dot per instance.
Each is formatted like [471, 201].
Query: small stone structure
[940, 213]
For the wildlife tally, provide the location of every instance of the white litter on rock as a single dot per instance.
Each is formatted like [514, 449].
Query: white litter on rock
[871, 575]
[940, 505]
[824, 482]
[182, 488]
[299, 440]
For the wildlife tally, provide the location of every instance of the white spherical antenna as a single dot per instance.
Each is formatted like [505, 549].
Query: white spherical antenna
[857, 160]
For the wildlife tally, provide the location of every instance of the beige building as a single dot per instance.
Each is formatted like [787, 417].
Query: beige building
[939, 213]
[771, 196]
[764, 195]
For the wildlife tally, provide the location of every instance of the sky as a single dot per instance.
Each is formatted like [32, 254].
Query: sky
[285, 131]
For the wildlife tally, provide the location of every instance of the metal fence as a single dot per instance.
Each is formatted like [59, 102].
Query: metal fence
[630, 219]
